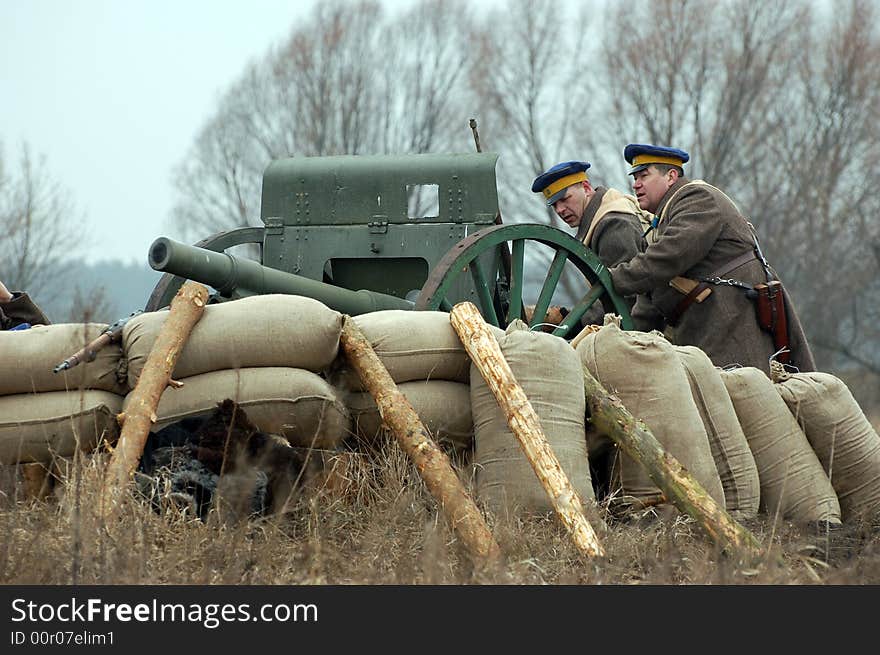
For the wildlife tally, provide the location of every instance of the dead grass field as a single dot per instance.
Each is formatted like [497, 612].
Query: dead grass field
[376, 524]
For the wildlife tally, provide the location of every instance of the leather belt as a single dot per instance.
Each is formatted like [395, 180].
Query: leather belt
[689, 299]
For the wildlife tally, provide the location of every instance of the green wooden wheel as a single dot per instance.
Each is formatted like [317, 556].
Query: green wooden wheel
[168, 285]
[499, 287]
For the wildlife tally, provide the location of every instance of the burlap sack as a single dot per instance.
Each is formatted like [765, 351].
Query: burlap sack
[730, 450]
[412, 346]
[444, 408]
[792, 480]
[38, 427]
[27, 358]
[269, 330]
[840, 435]
[550, 375]
[294, 403]
[645, 372]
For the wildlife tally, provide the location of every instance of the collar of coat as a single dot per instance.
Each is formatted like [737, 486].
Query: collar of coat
[606, 201]
[667, 197]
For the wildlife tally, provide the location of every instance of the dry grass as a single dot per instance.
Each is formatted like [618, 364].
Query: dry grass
[374, 523]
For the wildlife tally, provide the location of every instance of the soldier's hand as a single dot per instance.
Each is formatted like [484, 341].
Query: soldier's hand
[555, 316]
[5, 295]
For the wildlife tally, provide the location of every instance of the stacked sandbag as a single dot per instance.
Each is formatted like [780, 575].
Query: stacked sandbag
[267, 353]
[793, 482]
[45, 414]
[549, 373]
[426, 359]
[268, 330]
[444, 408]
[645, 372]
[293, 403]
[39, 427]
[412, 346]
[841, 436]
[730, 450]
[27, 358]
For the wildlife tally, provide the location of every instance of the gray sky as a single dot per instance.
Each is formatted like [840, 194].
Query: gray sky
[113, 93]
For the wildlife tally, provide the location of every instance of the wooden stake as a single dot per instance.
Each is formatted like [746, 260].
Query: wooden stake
[611, 418]
[432, 463]
[187, 308]
[486, 354]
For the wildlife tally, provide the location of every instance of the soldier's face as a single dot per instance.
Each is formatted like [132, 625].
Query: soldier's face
[650, 185]
[570, 208]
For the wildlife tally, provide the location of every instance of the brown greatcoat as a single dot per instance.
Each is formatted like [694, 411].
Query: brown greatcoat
[612, 226]
[700, 231]
[21, 309]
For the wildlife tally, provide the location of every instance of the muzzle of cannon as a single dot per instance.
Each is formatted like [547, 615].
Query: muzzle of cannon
[235, 276]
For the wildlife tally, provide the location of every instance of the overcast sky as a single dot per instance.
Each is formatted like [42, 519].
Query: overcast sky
[113, 93]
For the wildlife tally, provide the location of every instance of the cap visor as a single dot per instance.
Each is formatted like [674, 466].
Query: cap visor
[636, 169]
[559, 195]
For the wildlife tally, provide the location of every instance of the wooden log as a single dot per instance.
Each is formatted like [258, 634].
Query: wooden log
[612, 419]
[187, 308]
[486, 354]
[432, 463]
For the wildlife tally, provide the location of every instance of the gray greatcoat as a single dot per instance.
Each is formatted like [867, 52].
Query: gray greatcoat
[699, 232]
[21, 309]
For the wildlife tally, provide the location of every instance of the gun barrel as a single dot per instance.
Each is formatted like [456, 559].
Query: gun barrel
[244, 277]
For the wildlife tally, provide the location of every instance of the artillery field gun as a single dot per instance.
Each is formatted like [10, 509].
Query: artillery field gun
[365, 233]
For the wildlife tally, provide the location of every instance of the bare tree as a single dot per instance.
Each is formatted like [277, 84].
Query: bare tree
[533, 88]
[348, 81]
[422, 79]
[826, 224]
[39, 224]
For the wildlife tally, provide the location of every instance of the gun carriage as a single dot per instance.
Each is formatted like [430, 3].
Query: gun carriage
[365, 233]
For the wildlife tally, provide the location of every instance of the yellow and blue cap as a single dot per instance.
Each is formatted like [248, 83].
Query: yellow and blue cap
[554, 181]
[642, 155]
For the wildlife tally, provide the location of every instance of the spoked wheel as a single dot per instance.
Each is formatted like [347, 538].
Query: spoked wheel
[168, 284]
[499, 293]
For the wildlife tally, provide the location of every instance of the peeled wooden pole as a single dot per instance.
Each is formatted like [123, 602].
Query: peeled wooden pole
[611, 418]
[486, 354]
[432, 463]
[187, 308]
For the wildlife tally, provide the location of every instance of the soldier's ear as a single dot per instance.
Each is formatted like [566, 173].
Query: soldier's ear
[672, 176]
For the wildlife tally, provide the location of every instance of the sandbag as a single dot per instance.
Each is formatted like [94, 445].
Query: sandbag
[550, 375]
[792, 480]
[444, 408]
[841, 436]
[413, 346]
[27, 358]
[645, 372]
[294, 403]
[730, 450]
[268, 330]
[37, 427]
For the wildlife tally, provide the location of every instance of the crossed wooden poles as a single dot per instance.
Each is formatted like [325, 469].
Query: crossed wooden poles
[607, 414]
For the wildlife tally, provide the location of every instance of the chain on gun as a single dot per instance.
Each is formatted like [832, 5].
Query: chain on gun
[88, 352]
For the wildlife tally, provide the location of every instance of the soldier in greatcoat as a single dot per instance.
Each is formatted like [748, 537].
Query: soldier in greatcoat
[608, 222]
[18, 309]
[702, 266]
